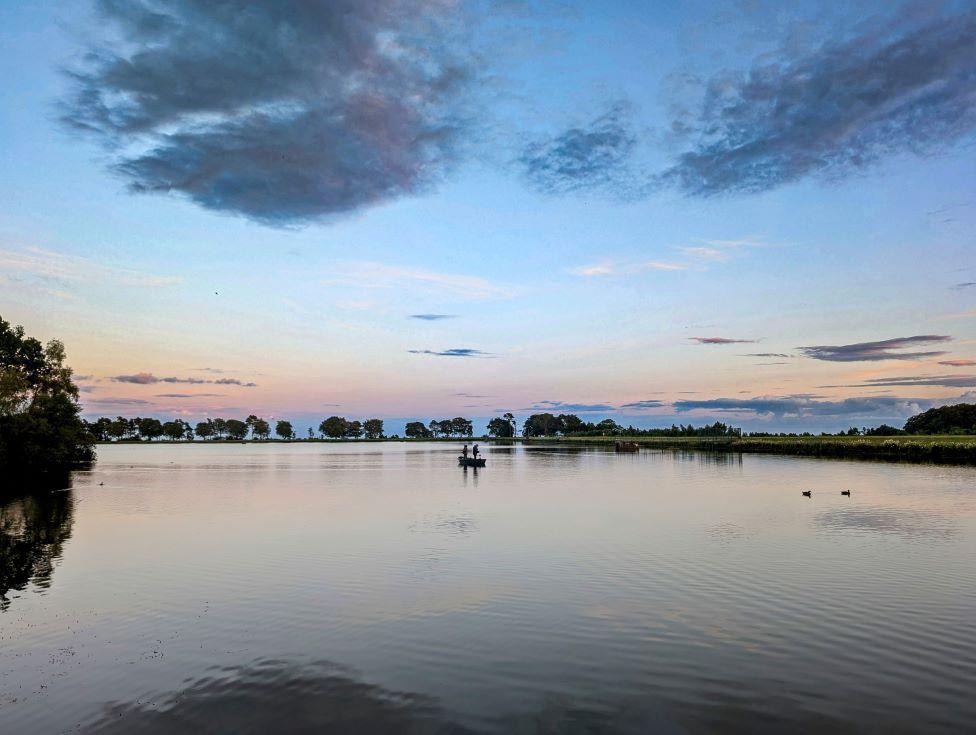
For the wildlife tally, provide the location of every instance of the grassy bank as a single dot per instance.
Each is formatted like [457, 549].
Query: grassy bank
[949, 449]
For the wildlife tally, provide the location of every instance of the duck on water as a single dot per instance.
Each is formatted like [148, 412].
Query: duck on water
[474, 460]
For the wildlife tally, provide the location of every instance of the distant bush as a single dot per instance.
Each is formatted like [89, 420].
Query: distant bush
[883, 430]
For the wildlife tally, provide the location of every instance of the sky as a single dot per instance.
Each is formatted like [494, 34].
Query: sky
[757, 212]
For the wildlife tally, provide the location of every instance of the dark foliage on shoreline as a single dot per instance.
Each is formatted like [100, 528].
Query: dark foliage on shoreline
[41, 431]
[547, 424]
[957, 419]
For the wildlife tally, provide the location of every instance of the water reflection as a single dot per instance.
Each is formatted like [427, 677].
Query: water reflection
[288, 697]
[472, 478]
[576, 590]
[709, 459]
[280, 697]
[33, 530]
[905, 522]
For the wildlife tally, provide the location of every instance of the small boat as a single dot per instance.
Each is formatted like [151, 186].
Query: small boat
[471, 461]
[626, 446]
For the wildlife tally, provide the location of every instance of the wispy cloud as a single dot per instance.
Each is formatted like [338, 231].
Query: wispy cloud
[371, 275]
[958, 363]
[721, 250]
[942, 381]
[720, 340]
[965, 285]
[625, 269]
[189, 395]
[281, 112]
[109, 402]
[705, 253]
[432, 317]
[873, 351]
[766, 354]
[898, 86]
[561, 407]
[453, 352]
[150, 379]
[68, 271]
[712, 250]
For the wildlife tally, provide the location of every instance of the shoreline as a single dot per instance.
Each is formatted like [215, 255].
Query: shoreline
[943, 449]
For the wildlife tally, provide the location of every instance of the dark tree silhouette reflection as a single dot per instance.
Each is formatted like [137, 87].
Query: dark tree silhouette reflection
[33, 530]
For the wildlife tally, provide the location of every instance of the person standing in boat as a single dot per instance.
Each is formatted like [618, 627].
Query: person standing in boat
[464, 452]
[474, 451]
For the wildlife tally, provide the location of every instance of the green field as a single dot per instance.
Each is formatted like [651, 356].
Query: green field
[915, 448]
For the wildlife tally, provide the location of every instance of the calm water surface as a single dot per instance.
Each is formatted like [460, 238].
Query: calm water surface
[380, 588]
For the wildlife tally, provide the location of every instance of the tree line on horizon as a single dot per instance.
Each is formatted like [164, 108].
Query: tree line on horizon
[149, 428]
[956, 419]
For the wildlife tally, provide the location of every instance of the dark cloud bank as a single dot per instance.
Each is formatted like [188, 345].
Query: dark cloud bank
[281, 110]
[897, 86]
[291, 111]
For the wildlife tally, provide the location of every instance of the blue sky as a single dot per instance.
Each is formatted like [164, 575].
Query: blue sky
[580, 190]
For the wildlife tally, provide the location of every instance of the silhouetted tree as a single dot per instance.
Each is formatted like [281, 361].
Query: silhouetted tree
[120, 428]
[373, 428]
[541, 424]
[260, 429]
[150, 428]
[284, 430]
[173, 430]
[40, 424]
[571, 424]
[957, 419]
[500, 427]
[236, 429]
[204, 429]
[609, 427]
[333, 427]
[416, 430]
[883, 430]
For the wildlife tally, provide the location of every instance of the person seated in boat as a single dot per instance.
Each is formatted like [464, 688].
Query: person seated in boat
[474, 451]
[464, 452]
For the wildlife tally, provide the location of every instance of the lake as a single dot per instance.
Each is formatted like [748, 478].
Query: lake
[380, 588]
